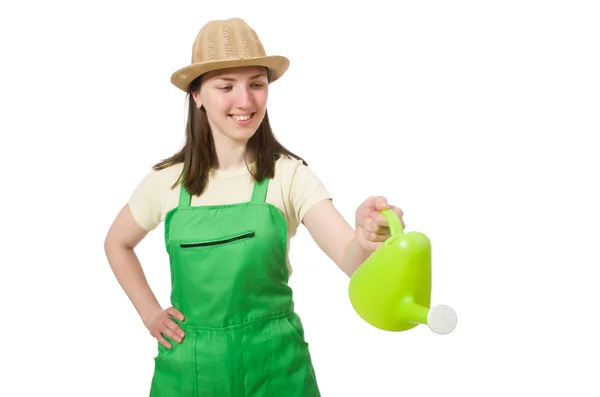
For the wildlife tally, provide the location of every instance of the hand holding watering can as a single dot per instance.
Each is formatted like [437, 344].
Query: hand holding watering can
[391, 290]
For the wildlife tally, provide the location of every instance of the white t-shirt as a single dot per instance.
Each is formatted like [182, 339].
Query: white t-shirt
[293, 190]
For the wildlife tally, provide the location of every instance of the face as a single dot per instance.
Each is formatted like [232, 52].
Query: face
[235, 101]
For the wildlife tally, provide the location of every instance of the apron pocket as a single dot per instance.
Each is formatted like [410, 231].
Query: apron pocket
[294, 325]
[163, 352]
[291, 370]
[218, 241]
[174, 369]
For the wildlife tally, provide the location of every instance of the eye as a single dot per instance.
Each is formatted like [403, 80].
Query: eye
[258, 85]
[225, 88]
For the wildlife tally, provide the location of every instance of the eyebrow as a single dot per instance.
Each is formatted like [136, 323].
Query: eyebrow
[251, 78]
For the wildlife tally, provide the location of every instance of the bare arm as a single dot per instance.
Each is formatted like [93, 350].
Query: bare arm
[122, 238]
[335, 237]
[350, 248]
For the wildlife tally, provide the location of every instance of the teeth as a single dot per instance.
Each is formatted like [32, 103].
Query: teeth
[241, 118]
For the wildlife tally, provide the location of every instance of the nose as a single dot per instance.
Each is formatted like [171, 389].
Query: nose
[244, 98]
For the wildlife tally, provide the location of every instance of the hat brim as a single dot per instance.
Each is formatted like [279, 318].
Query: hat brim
[182, 78]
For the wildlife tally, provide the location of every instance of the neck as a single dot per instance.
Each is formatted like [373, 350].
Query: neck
[231, 154]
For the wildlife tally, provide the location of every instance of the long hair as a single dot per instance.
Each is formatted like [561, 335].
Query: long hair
[198, 154]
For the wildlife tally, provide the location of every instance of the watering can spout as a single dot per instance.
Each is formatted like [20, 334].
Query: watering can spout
[392, 289]
[441, 319]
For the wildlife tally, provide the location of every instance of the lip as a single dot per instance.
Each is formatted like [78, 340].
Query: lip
[244, 122]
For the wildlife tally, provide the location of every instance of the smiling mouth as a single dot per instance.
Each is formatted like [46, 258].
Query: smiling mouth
[244, 117]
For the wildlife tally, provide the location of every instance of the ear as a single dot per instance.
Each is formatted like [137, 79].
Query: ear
[196, 96]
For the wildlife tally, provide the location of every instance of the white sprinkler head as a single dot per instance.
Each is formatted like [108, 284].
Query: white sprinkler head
[441, 319]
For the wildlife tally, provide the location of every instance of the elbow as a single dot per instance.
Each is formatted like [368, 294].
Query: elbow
[109, 245]
[112, 244]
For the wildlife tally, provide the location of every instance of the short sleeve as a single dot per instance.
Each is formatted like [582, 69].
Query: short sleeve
[148, 200]
[306, 190]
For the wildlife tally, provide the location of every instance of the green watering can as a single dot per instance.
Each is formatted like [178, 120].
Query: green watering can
[391, 290]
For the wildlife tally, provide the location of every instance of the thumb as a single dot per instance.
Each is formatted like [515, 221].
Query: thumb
[381, 203]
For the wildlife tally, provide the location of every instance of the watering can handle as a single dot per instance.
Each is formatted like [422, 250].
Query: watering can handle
[393, 221]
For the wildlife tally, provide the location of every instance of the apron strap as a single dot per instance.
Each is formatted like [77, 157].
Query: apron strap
[184, 197]
[259, 193]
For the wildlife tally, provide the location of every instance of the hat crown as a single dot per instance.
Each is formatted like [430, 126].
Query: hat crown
[228, 43]
[225, 40]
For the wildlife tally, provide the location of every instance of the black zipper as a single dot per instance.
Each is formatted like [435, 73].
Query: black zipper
[217, 242]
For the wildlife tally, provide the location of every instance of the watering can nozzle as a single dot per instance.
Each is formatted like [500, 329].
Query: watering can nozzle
[441, 319]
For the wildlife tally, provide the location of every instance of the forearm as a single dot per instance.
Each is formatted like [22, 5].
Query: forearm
[354, 256]
[128, 271]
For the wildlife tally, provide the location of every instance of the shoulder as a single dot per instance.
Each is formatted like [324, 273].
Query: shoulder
[164, 178]
[287, 168]
[301, 187]
[157, 183]
[285, 162]
[151, 196]
[295, 174]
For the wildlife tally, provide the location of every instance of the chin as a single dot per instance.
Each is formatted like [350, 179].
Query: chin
[242, 136]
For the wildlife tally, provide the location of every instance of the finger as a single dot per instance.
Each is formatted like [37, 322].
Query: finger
[376, 223]
[175, 328]
[175, 313]
[373, 246]
[370, 226]
[166, 331]
[379, 230]
[379, 220]
[400, 214]
[374, 237]
[373, 202]
[398, 211]
[163, 341]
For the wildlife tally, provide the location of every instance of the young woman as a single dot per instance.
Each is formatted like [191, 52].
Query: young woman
[231, 199]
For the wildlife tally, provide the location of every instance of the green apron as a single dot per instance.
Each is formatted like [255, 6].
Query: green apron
[230, 280]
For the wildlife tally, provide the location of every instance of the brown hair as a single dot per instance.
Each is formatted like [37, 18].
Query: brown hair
[198, 154]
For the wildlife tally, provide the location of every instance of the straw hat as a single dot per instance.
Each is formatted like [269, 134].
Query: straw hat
[225, 44]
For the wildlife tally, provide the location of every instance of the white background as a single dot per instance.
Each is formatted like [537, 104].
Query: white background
[477, 118]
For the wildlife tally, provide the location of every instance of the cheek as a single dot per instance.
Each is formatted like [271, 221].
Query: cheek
[217, 104]
[261, 98]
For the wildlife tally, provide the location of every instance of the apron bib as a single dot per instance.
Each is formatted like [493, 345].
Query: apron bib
[230, 280]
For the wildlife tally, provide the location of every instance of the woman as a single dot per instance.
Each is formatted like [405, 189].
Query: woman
[231, 199]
